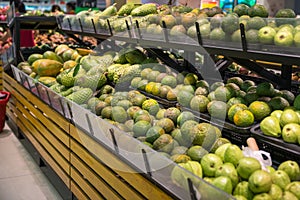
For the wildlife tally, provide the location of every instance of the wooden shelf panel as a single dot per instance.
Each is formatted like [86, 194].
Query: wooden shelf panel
[136, 180]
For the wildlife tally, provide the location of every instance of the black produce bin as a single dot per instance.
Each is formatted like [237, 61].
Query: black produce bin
[4, 97]
[280, 151]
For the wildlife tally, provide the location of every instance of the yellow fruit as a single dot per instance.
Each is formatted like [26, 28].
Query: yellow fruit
[243, 118]
[260, 109]
[233, 109]
[149, 87]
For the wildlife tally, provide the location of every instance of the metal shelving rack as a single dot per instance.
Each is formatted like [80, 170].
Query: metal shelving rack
[241, 53]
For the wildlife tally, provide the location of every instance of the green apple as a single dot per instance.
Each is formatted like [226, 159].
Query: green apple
[247, 166]
[223, 183]
[288, 196]
[291, 168]
[297, 39]
[221, 150]
[280, 178]
[290, 133]
[210, 163]
[260, 181]
[262, 196]
[266, 35]
[275, 192]
[284, 38]
[242, 189]
[294, 187]
[228, 169]
[233, 154]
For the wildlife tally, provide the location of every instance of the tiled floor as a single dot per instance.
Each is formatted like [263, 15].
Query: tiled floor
[20, 177]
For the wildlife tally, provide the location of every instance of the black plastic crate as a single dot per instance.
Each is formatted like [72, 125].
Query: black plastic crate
[280, 151]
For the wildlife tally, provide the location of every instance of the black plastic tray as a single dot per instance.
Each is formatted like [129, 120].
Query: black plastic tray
[229, 74]
[280, 151]
[278, 49]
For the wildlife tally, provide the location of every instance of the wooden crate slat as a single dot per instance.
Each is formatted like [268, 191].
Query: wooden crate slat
[52, 114]
[23, 125]
[88, 189]
[144, 186]
[93, 179]
[64, 150]
[48, 122]
[108, 175]
[46, 144]
[80, 195]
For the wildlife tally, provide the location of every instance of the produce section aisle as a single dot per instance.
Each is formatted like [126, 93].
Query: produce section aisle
[20, 177]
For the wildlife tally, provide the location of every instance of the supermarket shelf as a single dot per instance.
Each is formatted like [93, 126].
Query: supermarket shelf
[242, 53]
[127, 150]
[34, 22]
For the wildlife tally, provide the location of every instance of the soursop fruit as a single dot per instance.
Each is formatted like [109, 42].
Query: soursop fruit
[81, 96]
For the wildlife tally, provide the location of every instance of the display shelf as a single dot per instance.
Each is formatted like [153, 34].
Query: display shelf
[44, 128]
[91, 134]
[18, 23]
[280, 151]
[242, 53]
[34, 22]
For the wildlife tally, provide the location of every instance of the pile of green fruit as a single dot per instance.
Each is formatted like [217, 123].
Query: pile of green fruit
[238, 101]
[243, 177]
[284, 123]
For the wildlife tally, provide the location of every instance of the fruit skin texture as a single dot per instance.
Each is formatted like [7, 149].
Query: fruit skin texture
[224, 183]
[119, 114]
[291, 168]
[288, 196]
[164, 143]
[288, 116]
[266, 35]
[294, 188]
[270, 126]
[259, 109]
[291, 133]
[243, 118]
[280, 178]
[242, 188]
[140, 128]
[46, 67]
[144, 10]
[247, 166]
[228, 169]
[275, 192]
[234, 108]
[262, 196]
[284, 38]
[210, 163]
[81, 96]
[297, 102]
[260, 181]
[233, 154]
[179, 176]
